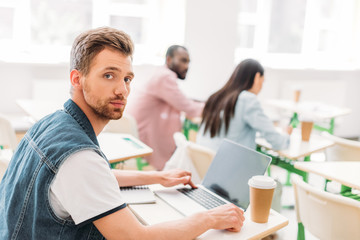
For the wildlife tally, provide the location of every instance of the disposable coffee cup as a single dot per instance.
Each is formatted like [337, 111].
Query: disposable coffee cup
[261, 195]
[306, 127]
[297, 93]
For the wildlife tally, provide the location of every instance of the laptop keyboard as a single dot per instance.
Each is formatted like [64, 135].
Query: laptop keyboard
[202, 197]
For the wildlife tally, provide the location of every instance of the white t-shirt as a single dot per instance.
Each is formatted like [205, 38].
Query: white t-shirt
[85, 189]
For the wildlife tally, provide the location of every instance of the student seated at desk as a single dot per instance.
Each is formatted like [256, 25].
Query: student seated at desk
[59, 184]
[234, 112]
[158, 104]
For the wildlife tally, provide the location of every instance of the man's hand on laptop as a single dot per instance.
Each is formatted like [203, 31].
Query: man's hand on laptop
[174, 177]
[228, 217]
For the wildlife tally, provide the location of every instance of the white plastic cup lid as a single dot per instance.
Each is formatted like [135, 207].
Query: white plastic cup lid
[306, 118]
[262, 182]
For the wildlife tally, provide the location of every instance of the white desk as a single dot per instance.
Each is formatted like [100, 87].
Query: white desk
[150, 214]
[38, 109]
[116, 147]
[299, 148]
[346, 173]
[119, 146]
[317, 110]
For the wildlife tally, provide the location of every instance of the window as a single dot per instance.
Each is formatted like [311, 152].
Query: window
[58, 22]
[6, 25]
[300, 33]
[286, 26]
[42, 31]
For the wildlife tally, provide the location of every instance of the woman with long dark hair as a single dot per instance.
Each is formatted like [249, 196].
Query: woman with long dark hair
[234, 112]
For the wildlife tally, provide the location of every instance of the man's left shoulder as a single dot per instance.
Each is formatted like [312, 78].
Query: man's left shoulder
[167, 74]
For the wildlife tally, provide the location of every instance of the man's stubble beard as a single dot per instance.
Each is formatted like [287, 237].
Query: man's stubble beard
[173, 67]
[101, 107]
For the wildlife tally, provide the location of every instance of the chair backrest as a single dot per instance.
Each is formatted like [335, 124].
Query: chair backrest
[7, 134]
[190, 156]
[326, 215]
[126, 124]
[201, 157]
[343, 150]
[179, 139]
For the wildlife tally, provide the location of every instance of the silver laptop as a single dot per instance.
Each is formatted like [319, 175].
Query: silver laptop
[226, 181]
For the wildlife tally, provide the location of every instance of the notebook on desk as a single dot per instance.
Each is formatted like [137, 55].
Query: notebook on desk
[226, 181]
[137, 195]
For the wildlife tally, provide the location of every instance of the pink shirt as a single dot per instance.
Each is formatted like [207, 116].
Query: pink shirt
[156, 109]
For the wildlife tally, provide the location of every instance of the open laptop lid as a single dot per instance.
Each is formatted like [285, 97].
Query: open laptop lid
[232, 167]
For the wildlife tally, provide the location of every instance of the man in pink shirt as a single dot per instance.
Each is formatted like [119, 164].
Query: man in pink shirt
[158, 104]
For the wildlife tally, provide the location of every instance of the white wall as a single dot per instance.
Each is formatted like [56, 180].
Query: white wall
[333, 87]
[338, 88]
[16, 81]
[210, 36]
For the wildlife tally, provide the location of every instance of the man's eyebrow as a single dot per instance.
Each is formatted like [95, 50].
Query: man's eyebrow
[112, 69]
[118, 69]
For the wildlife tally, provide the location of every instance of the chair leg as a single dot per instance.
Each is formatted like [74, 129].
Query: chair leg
[301, 232]
[288, 182]
[326, 182]
[117, 165]
[140, 163]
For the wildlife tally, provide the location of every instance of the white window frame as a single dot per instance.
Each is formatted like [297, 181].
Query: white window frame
[345, 54]
[151, 51]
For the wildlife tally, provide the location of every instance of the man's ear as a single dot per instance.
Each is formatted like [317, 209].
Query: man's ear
[168, 60]
[75, 79]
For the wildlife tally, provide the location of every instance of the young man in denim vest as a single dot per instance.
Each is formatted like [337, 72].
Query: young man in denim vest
[59, 185]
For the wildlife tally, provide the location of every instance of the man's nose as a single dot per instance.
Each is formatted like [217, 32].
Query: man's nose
[122, 89]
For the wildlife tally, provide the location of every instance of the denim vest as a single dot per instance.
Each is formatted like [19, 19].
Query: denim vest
[25, 211]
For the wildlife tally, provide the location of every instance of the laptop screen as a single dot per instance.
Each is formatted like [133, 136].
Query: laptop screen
[232, 167]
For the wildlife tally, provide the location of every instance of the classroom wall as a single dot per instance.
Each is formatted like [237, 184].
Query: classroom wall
[339, 88]
[210, 36]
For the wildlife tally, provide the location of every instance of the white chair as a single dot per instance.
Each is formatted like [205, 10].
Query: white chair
[343, 150]
[4, 162]
[7, 134]
[201, 158]
[325, 215]
[179, 139]
[191, 157]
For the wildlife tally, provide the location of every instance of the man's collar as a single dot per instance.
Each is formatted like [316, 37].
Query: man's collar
[73, 110]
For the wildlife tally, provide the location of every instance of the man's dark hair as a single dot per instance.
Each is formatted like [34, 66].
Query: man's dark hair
[172, 49]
